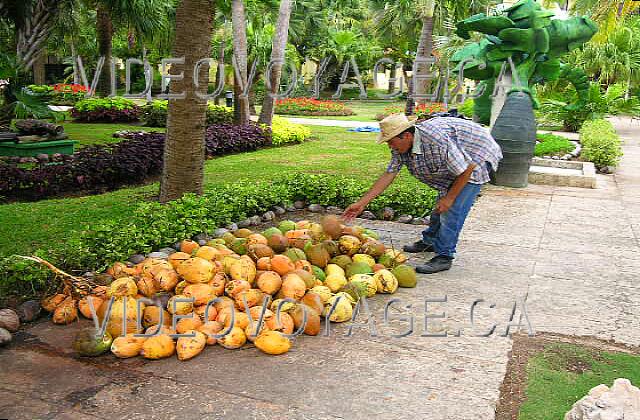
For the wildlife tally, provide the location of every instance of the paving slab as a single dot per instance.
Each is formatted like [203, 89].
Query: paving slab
[566, 258]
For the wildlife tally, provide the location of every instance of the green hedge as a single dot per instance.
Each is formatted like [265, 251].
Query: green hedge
[155, 113]
[600, 143]
[152, 225]
[552, 145]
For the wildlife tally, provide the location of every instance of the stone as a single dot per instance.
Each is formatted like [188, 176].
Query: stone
[334, 210]
[201, 237]
[291, 209]
[607, 170]
[232, 227]
[5, 337]
[316, 208]
[420, 221]
[388, 213]
[137, 258]
[242, 224]
[158, 255]
[268, 216]
[299, 205]
[405, 218]
[56, 157]
[219, 233]
[620, 402]
[42, 157]
[167, 251]
[202, 242]
[176, 246]
[29, 310]
[368, 215]
[255, 220]
[279, 210]
[89, 275]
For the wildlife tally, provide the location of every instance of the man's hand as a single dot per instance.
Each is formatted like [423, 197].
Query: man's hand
[353, 211]
[444, 204]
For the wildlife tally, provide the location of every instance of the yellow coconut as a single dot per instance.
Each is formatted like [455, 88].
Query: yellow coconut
[272, 342]
[158, 347]
[124, 286]
[180, 305]
[235, 339]
[196, 270]
[127, 346]
[335, 281]
[189, 347]
[243, 269]
[386, 282]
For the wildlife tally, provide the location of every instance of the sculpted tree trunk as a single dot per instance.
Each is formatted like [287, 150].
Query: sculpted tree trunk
[241, 57]
[184, 150]
[277, 57]
[104, 34]
[425, 49]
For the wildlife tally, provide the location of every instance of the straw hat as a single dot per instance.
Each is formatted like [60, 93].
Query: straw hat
[393, 125]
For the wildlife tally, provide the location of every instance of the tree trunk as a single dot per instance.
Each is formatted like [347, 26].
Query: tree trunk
[240, 52]
[76, 71]
[252, 95]
[392, 75]
[220, 61]
[277, 56]
[184, 151]
[425, 48]
[38, 68]
[104, 33]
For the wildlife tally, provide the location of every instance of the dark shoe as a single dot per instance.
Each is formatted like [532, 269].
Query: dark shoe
[435, 265]
[418, 247]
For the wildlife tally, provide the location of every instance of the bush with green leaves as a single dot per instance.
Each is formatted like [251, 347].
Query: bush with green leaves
[600, 143]
[553, 145]
[152, 225]
[155, 113]
[561, 108]
[284, 131]
[116, 109]
[466, 108]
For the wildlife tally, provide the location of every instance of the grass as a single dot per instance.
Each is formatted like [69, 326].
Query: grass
[334, 150]
[564, 373]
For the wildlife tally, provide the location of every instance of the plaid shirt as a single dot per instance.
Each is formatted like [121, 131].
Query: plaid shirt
[443, 148]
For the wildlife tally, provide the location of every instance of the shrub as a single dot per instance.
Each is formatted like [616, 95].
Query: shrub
[422, 111]
[67, 94]
[600, 143]
[466, 108]
[152, 225]
[155, 113]
[114, 109]
[311, 107]
[283, 131]
[553, 145]
[106, 167]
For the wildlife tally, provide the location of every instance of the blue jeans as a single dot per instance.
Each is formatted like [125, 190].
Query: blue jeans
[444, 229]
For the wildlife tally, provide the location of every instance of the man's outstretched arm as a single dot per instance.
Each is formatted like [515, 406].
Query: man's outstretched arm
[378, 188]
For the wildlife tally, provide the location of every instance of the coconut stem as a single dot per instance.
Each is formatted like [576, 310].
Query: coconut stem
[78, 285]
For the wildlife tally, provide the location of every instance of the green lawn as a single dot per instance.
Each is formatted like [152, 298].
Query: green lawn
[553, 387]
[29, 226]
[97, 133]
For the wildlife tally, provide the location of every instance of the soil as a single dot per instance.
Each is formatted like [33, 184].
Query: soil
[513, 388]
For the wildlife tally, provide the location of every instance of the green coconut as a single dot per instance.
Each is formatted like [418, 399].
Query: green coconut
[406, 276]
[357, 289]
[331, 247]
[371, 234]
[318, 255]
[341, 260]
[373, 247]
[271, 231]
[239, 246]
[319, 273]
[295, 254]
[216, 242]
[358, 268]
[228, 238]
[88, 343]
[387, 260]
[286, 225]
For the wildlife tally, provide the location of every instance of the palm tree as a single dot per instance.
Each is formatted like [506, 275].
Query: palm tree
[277, 56]
[607, 13]
[242, 112]
[146, 17]
[184, 152]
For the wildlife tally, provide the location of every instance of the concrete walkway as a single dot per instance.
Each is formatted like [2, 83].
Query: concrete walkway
[574, 254]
